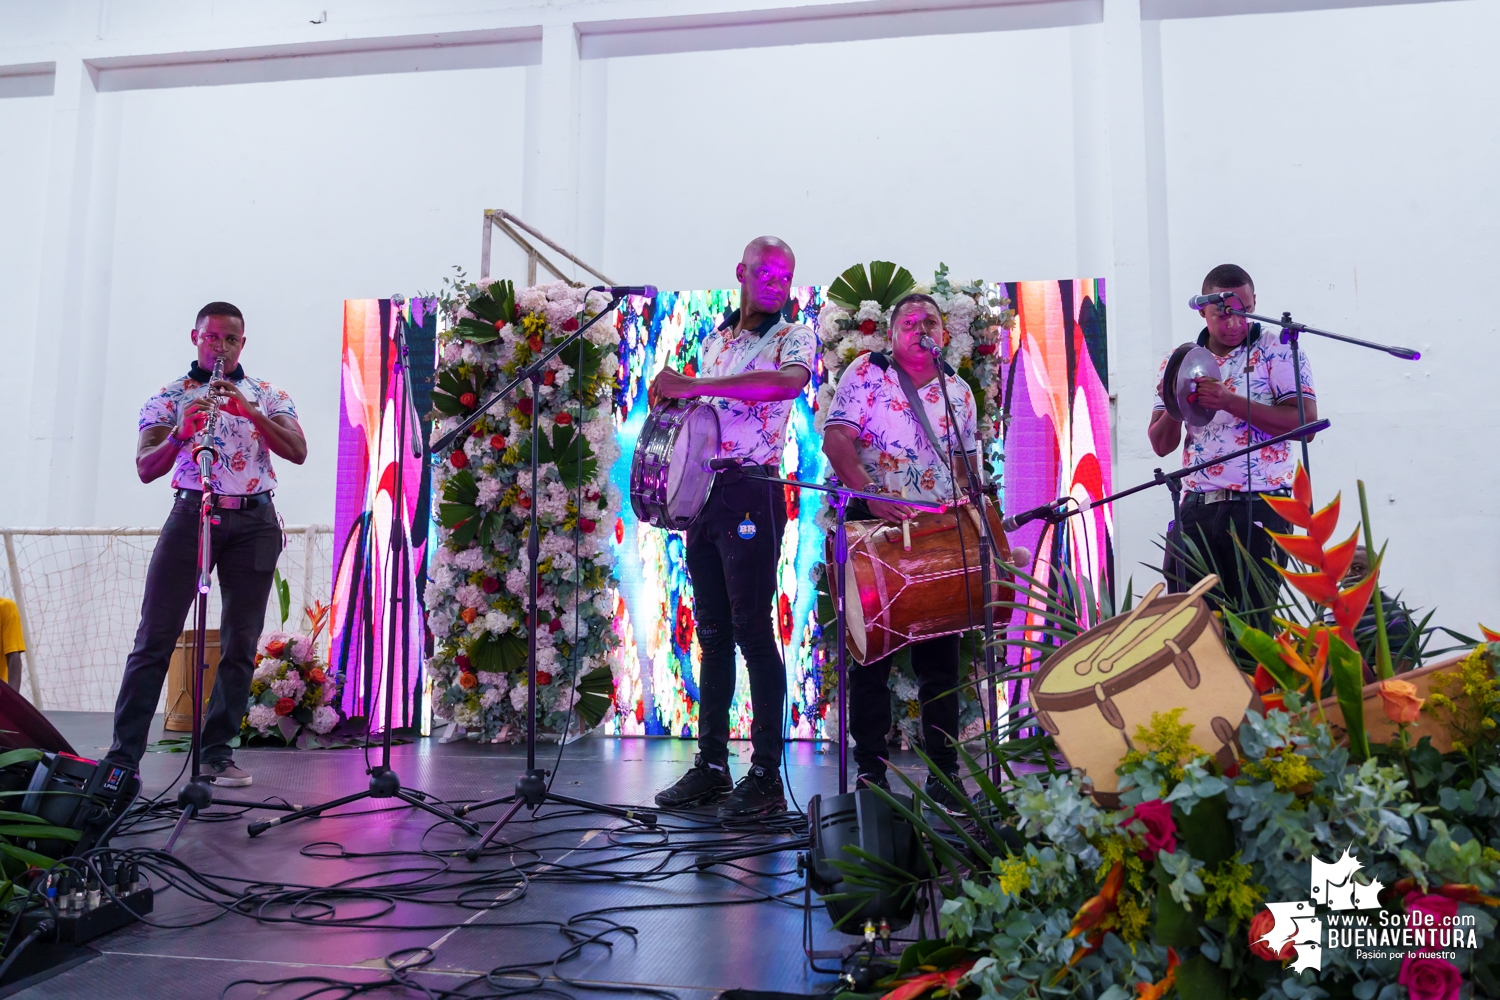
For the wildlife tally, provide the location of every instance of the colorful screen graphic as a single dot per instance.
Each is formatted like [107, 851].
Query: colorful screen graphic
[657, 693]
[1057, 440]
[372, 400]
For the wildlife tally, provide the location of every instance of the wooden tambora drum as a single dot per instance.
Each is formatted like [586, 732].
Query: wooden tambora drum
[894, 596]
[180, 678]
[1093, 693]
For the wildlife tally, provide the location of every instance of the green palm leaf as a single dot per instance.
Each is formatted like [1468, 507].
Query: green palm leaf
[885, 283]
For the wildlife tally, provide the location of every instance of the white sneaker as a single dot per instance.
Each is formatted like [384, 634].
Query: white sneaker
[226, 774]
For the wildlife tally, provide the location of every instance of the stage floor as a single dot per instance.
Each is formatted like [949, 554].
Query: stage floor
[698, 934]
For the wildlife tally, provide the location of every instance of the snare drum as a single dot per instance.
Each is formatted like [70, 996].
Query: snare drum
[669, 475]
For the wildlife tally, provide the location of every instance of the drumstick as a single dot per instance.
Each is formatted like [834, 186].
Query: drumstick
[1200, 588]
[1085, 666]
[906, 534]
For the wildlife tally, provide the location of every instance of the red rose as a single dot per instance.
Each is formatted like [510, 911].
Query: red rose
[275, 648]
[1437, 911]
[570, 324]
[523, 501]
[316, 675]
[985, 348]
[524, 405]
[548, 377]
[1429, 978]
[867, 327]
[586, 526]
[490, 585]
[542, 677]
[284, 706]
[497, 442]
[458, 459]
[467, 400]
[1161, 831]
[477, 431]
[534, 342]
[555, 625]
[593, 496]
[1260, 925]
[468, 681]
[499, 324]
[463, 661]
[564, 419]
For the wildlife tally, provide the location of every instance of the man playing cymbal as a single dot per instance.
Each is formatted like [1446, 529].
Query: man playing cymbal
[888, 431]
[753, 366]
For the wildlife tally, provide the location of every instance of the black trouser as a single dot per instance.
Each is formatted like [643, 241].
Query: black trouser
[245, 546]
[734, 588]
[935, 662]
[1213, 528]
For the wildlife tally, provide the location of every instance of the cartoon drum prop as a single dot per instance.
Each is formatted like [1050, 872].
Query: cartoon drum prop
[1167, 653]
[906, 583]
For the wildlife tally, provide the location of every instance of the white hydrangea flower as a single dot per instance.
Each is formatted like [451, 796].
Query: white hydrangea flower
[518, 697]
[269, 668]
[262, 717]
[490, 489]
[290, 686]
[497, 622]
[323, 720]
[496, 679]
[869, 309]
[470, 559]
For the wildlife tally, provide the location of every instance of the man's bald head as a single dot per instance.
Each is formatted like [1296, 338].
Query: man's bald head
[765, 275]
[758, 246]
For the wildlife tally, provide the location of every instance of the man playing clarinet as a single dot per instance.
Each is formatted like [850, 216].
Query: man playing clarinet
[753, 366]
[256, 420]
[888, 432]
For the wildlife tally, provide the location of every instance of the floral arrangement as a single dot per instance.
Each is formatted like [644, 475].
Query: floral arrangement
[477, 593]
[294, 691]
[1173, 890]
[856, 320]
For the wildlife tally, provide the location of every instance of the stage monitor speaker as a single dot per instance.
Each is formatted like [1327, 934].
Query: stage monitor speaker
[864, 820]
[70, 792]
[22, 727]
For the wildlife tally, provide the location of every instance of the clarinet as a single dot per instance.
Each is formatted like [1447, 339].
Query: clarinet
[205, 453]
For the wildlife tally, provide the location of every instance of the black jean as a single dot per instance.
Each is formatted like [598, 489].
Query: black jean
[734, 589]
[935, 662]
[1213, 528]
[245, 546]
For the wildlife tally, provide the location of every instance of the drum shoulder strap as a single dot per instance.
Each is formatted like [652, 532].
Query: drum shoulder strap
[919, 410]
[748, 357]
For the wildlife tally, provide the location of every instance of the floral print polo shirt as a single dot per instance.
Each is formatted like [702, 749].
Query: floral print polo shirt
[1269, 363]
[753, 432]
[244, 465]
[892, 445]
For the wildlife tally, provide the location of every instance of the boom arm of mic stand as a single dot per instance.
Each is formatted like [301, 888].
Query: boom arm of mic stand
[522, 376]
[1404, 353]
[936, 508]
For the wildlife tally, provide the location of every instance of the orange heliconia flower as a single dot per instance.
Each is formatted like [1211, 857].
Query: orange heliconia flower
[1092, 913]
[1155, 991]
[1400, 701]
[1489, 636]
[918, 985]
[1328, 565]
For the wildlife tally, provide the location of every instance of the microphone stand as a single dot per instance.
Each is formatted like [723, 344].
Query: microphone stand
[987, 547]
[1065, 507]
[531, 787]
[385, 783]
[1290, 332]
[840, 501]
[196, 794]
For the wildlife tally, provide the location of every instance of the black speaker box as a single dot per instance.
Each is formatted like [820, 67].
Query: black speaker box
[864, 820]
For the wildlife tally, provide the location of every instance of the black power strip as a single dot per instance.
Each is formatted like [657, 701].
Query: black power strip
[83, 926]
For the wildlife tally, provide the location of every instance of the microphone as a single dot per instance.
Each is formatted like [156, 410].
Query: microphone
[649, 291]
[1054, 511]
[721, 464]
[929, 345]
[1211, 299]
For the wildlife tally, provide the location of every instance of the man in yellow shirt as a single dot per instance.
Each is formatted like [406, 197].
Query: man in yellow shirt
[12, 643]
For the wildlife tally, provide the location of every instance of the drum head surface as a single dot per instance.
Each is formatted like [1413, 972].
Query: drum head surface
[854, 615]
[689, 478]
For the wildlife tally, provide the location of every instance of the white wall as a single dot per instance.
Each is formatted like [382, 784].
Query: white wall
[1345, 157]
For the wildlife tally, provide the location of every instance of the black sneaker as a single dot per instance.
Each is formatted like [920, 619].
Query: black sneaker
[872, 781]
[757, 795]
[944, 799]
[703, 784]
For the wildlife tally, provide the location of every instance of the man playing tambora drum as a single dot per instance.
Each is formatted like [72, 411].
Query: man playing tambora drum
[877, 441]
[752, 367]
[1256, 398]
